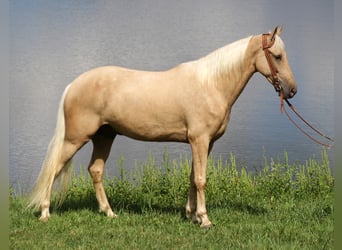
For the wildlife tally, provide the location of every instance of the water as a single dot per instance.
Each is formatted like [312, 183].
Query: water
[52, 42]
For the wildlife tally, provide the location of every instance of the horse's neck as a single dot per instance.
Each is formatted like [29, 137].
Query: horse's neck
[228, 69]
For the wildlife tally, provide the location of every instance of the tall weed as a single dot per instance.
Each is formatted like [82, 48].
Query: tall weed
[165, 186]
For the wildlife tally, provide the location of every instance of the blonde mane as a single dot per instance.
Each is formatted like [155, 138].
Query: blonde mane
[223, 63]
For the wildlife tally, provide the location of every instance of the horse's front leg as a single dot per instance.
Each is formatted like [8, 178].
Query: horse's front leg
[191, 205]
[196, 200]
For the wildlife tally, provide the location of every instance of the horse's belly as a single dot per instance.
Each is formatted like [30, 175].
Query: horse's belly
[146, 115]
[150, 130]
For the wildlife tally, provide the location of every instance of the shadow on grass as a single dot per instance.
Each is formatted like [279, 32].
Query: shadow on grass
[247, 208]
[90, 203]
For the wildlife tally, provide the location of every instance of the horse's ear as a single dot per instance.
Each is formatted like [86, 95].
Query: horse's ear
[276, 31]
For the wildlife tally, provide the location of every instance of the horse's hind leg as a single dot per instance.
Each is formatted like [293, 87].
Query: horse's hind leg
[102, 142]
[68, 150]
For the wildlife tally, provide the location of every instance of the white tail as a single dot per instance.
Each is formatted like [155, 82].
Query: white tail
[43, 185]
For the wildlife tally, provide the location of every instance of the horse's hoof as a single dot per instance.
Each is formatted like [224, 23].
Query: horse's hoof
[206, 225]
[111, 214]
[44, 219]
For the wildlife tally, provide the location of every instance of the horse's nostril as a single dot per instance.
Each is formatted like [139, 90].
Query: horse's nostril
[293, 91]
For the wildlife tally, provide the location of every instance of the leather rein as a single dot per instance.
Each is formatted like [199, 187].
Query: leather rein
[278, 88]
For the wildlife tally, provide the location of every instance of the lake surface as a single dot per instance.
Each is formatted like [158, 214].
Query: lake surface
[52, 42]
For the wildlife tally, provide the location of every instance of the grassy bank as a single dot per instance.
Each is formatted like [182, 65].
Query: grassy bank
[281, 206]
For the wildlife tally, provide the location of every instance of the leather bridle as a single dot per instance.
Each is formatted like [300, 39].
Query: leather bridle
[274, 72]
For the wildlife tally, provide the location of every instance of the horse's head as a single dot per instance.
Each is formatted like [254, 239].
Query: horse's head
[271, 61]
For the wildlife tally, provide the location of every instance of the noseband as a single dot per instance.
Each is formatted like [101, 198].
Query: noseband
[274, 71]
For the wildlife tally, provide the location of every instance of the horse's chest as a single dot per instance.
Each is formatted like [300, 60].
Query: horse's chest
[223, 125]
[219, 124]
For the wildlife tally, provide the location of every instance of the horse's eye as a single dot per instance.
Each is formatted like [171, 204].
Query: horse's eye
[278, 57]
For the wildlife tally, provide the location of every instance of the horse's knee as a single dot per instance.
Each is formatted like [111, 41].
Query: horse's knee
[200, 183]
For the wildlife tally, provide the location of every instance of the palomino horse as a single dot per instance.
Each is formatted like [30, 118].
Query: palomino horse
[190, 103]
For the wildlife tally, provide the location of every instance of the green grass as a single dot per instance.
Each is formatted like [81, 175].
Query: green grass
[281, 206]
